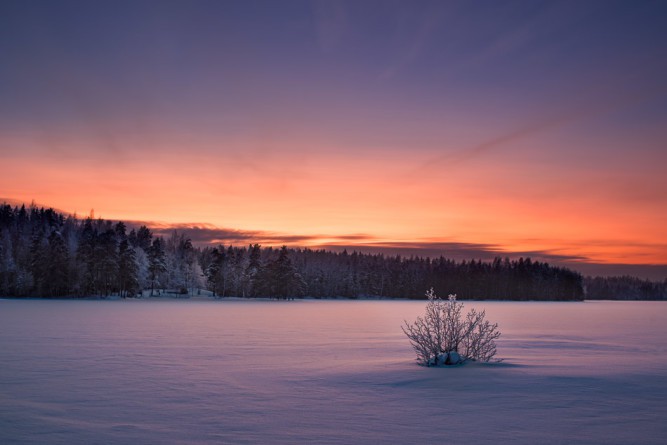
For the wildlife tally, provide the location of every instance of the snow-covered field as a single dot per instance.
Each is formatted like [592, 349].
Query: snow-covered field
[192, 372]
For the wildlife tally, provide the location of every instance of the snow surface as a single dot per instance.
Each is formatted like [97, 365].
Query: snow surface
[205, 372]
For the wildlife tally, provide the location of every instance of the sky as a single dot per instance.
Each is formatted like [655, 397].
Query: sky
[471, 129]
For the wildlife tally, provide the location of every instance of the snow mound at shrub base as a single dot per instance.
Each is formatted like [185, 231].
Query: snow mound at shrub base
[446, 359]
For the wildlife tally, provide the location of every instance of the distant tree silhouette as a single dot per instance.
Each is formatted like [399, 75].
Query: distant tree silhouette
[624, 288]
[252, 270]
[56, 281]
[144, 238]
[128, 270]
[156, 262]
[282, 279]
[216, 272]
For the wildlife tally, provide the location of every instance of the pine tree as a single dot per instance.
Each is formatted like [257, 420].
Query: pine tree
[127, 269]
[39, 262]
[144, 238]
[284, 280]
[156, 262]
[57, 279]
[187, 261]
[252, 271]
[106, 257]
[7, 263]
[86, 258]
[215, 272]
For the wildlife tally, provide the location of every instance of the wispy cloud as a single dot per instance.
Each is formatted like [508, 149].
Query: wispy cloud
[330, 19]
[592, 102]
[421, 36]
[208, 234]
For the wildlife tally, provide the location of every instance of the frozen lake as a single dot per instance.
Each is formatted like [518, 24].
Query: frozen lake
[210, 372]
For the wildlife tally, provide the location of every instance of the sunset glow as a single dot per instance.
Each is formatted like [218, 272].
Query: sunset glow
[516, 128]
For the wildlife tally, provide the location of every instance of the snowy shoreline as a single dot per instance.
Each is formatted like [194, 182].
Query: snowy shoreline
[175, 297]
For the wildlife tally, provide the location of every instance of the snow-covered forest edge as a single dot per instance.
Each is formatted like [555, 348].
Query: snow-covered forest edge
[44, 253]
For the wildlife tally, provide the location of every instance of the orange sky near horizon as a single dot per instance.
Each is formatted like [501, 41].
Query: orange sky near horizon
[511, 200]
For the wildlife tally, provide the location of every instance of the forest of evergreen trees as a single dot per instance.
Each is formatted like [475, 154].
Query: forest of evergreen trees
[624, 288]
[47, 254]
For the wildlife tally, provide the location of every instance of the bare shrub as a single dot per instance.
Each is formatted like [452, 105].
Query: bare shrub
[444, 336]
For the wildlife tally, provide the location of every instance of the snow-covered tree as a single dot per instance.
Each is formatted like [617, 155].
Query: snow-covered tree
[445, 337]
[252, 270]
[156, 262]
[128, 270]
[282, 278]
[143, 275]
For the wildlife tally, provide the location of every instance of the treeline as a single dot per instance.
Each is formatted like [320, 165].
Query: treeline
[44, 253]
[624, 288]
